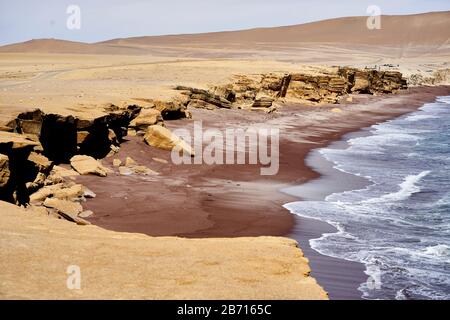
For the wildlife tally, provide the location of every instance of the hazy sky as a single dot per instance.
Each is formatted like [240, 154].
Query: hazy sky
[22, 20]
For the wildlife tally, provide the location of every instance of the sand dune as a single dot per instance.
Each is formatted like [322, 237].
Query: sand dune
[421, 29]
[428, 29]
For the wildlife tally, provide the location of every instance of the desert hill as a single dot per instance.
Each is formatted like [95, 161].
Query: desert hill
[428, 29]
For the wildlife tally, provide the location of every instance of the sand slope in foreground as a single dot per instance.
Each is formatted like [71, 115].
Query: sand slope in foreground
[36, 251]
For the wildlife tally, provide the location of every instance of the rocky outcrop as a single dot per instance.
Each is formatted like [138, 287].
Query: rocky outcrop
[32, 143]
[132, 167]
[64, 191]
[438, 77]
[16, 170]
[30, 179]
[4, 170]
[199, 98]
[146, 118]
[68, 210]
[170, 110]
[162, 138]
[88, 165]
[323, 86]
[61, 137]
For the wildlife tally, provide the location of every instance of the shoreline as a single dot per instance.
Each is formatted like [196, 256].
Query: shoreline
[339, 277]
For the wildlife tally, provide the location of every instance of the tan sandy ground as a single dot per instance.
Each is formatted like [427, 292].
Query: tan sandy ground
[36, 252]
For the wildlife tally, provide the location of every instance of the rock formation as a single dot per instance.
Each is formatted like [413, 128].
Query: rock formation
[4, 170]
[146, 118]
[132, 167]
[439, 77]
[16, 170]
[61, 137]
[162, 138]
[170, 110]
[88, 165]
[253, 92]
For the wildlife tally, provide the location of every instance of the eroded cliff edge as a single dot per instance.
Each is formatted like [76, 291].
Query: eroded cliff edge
[37, 254]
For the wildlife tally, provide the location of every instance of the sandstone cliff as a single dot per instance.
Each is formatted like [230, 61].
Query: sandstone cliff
[36, 257]
[318, 87]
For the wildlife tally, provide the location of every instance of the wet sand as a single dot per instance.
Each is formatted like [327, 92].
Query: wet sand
[200, 201]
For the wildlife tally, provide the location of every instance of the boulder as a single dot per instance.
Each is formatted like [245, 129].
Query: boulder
[144, 170]
[37, 183]
[131, 132]
[129, 162]
[172, 110]
[146, 118]
[69, 208]
[86, 214]
[125, 171]
[4, 170]
[41, 162]
[70, 193]
[87, 165]
[63, 172]
[117, 162]
[60, 191]
[132, 167]
[162, 138]
[89, 193]
[16, 141]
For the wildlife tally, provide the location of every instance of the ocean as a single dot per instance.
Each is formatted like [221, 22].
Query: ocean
[399, 225]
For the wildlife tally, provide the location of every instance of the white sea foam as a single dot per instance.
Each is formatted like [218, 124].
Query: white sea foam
[440, 250]
[444, 99]
[418, 117]
[407, 188]
[379, 140]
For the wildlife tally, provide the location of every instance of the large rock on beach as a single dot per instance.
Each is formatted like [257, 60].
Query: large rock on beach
[88, 165]
[146, 118]
[162, 138]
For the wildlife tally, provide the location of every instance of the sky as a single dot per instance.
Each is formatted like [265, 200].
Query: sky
[23, 20]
